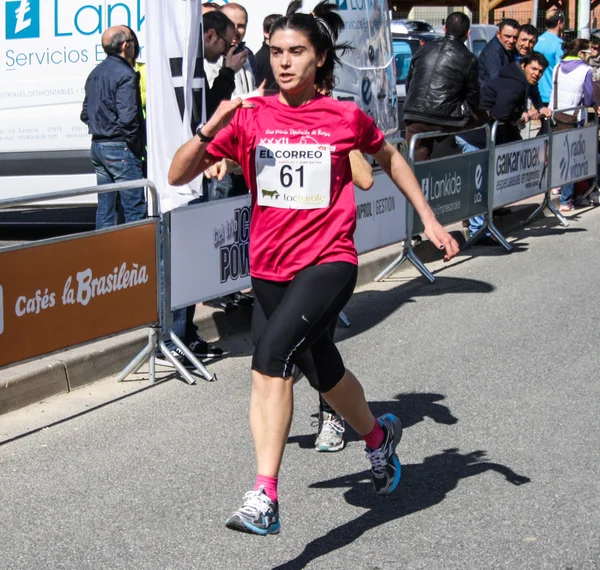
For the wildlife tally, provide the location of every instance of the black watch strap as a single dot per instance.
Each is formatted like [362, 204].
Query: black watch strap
[202, 136]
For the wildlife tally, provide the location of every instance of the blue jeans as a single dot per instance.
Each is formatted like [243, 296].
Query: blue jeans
[566, 194]
[475, 222]
[231, 185]
[114, 162]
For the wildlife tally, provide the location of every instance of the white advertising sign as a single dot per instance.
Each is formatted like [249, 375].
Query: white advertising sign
[380, 215]
[209, 250]
[574, 155]
[47, 50]
[209, 242]
[520, 170]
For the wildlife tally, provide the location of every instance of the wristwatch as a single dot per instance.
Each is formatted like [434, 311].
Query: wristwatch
[201, 136]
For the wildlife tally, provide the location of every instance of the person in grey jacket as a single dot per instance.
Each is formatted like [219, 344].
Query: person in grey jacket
[112, 110]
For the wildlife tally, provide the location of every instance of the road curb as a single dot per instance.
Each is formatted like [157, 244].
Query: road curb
[37, 380]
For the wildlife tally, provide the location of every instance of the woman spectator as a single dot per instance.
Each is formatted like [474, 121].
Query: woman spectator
[572, 86]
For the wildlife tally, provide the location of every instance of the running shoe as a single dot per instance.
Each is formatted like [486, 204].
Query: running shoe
[385, 466]
[594, 198]
[258, 515]
[330, 436]
[178, 355]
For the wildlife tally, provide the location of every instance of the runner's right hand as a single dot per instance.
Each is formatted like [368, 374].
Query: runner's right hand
[223, 115]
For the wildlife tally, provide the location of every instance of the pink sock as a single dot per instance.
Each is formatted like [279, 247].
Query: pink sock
[270, 484]
[375, 438]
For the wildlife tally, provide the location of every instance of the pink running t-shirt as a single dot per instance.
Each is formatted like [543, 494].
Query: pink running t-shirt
[285, 241]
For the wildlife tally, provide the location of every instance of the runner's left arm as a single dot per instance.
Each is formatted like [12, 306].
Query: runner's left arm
[394, 165]
[362, 173]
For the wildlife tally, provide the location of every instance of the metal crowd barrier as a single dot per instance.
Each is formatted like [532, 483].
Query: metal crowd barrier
[444, 182]
[512, 172]
[557, 163]
[80, 288]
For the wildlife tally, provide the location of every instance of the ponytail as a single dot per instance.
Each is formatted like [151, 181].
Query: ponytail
[322, 27]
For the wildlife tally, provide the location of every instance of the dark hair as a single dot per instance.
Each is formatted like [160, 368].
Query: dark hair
[216, 21]
[458, 25]
[212, 5]
[529, 29]
[136, 43]
[575, 47]
[508, 22]
[269, 21]
[553, 18]
[594, 41]
[114, 46]
[322, 28]
[534, 57]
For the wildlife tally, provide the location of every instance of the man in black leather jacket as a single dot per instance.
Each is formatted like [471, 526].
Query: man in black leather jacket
[442, 88]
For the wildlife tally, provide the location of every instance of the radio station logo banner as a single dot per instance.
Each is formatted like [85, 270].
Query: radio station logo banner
[574, 155]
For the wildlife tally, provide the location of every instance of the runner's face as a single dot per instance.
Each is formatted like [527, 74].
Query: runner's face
[525, 43]
[294, 61]
[508, 37]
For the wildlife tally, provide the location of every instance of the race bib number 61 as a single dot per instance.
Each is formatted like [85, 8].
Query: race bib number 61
[293, 176]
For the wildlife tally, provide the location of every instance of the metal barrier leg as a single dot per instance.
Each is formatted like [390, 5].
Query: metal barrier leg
[560, 217]
[176, 364]
[390, 268]
[197, 364]
[345, 320]
[476, 235]
[411, 256]
[146, 353]
[501, 239]
[539, 209]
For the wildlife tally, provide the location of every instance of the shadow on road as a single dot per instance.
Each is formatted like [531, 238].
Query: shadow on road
[412, 408]
[423, 485]
[375, 306]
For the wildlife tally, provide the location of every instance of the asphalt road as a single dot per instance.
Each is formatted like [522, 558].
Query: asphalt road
[493, 370]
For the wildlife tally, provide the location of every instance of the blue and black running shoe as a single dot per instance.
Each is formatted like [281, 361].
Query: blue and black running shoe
[385, 466]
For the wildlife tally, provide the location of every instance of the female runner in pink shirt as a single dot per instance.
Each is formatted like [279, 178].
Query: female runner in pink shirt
[293, 149]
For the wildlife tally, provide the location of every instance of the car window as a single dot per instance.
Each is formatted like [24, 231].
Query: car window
[403, 53]
[478, 46]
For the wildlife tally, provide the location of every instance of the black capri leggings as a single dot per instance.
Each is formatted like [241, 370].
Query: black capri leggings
[299, 317]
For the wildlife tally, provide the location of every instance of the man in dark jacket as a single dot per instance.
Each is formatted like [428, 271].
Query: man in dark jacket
[263, 55]
[112, 109]
[442, 91]
[505, 97]
[219, 33]
[499, 51]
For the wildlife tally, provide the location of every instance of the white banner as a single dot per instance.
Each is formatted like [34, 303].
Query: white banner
[574, 155]
[520, 170]
[209, 242]
[175, 91]
[209, 250]
[380, 215]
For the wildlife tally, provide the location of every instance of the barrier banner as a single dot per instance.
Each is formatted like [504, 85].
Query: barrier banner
[520, 170]
[380, 215]
[209, 250]
[456, 187]
[574, 155]
[66, 292]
